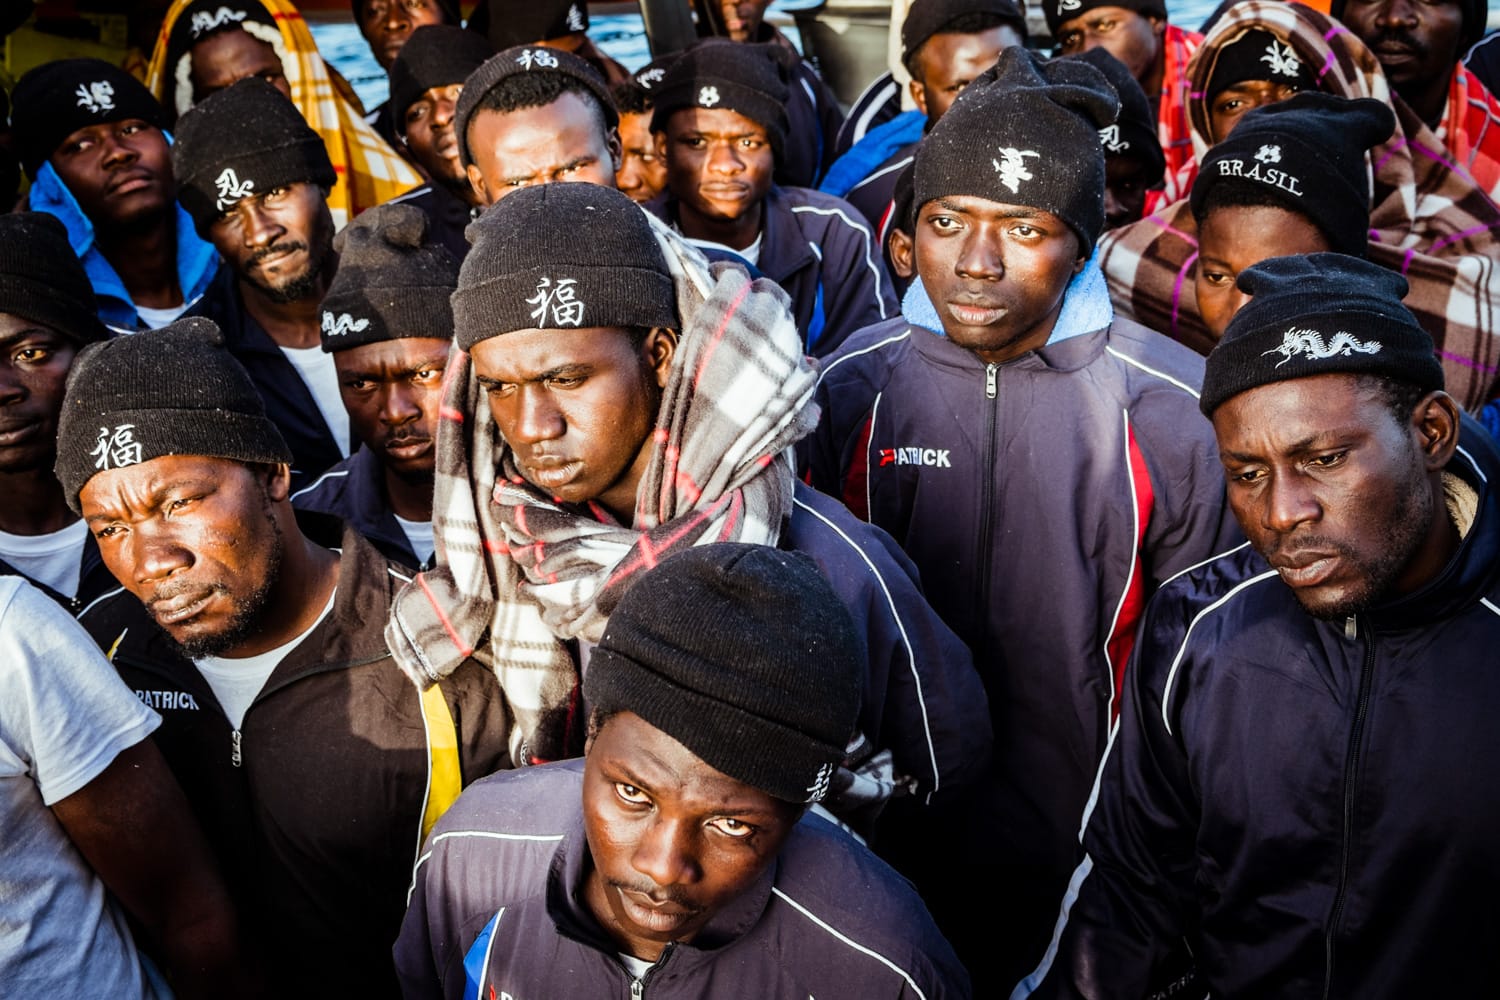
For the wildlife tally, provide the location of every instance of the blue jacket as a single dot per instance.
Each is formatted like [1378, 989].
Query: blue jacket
[1042, 500]
[197, 261]
[820, 251]
[496, 911]
[1314, 805]
[354, 492]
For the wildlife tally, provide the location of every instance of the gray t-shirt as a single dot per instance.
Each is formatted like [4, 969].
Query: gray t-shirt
[64, 717]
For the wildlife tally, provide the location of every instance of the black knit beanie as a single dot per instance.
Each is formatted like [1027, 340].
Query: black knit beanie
[561, 255]
[508, 23]
[1025, 133]
[437, 55]
[1133, 134]
[926, 18]
[392, 281]
[204, 19]
[219, 158]
[57, 99]
[737, 76]
[1316, 314]
[451, 13]
[41, 279]
[1058, 11]
[526, 59]
[173, 391]
[743, 654]
[1307, 154]
[1474, 14]
[1257, 54]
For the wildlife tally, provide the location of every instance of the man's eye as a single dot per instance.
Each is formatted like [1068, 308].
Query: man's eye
[943, 223]
[1247, 477]
[1105, 27]
[33, 355]
[1218, 278]
[1070, 41]
[629, 793]
[108, 531]
[1025, 232]
[428, 374]
[1328, 461]
[732, 827]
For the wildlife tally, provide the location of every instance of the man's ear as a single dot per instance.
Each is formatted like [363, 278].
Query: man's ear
[476, 181]
[1435, 421]
[903, 253]
[278, 480]
[659, 350]
[1158, 25]
[616, 149]
[918, 95]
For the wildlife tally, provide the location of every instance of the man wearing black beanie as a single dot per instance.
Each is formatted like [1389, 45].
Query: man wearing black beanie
[260, 195]
[720, 125]
[1041, 461]
[1421, 47]
[619, 400]
[679, 851]
[1292, 178]
[535, 115]
[1133, 161]
[90, 136]
[555, 24]
[46, 317]
[313, 765]
[1298, 788]
[387, 323]
[387, 25]
[427, 80]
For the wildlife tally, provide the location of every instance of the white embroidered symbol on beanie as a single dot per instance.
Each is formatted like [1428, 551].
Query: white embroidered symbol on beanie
[1110, 139]
[708, 96]
[575, 18]
[1282, 60]
[819, 786]
[97, 97]
[1268, 154]
[532, 58]
[338, 326]
[204, 21]
[116, 448]
[1069, 4]
[1012, 166]
[561, 298]
[232, 189]
[1310, 344]
[650, 77]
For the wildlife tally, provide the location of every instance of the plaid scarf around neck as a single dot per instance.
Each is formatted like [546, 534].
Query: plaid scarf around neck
[518, 573]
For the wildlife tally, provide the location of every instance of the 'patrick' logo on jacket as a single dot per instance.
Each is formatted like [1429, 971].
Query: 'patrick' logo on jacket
[343, 323]
[231, 189]
[935, 458]
[97, 97]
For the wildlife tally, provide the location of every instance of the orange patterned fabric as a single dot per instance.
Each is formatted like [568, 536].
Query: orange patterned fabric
[1470, 130]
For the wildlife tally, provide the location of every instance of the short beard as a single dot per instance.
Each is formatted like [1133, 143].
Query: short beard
[1409, 525]
[305, 285]
[251, 609]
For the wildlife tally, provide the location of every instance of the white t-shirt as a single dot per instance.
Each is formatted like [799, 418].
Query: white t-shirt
[158, 318]
[65, 715]
[55, 558]
[315, 365]
[418, 536]
[237, 680]
[751, 253]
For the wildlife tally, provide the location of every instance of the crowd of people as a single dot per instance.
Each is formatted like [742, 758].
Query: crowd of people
[585, 531]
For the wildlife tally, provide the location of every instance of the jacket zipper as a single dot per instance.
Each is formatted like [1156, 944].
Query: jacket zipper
[235, 757]
[1351, 772]
[987, 492]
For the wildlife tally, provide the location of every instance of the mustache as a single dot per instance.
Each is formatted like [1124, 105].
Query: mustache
[1397, 36]
[274, 249]
[656, 892]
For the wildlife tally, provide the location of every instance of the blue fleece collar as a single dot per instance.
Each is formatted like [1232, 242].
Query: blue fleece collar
[197, 263]
[871, 151]
[1086, 306]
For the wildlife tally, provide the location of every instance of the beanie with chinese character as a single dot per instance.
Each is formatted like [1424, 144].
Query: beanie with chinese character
[58, 98]
[507, 23]
[204, 19]
[173, 391]
[392, 281]
[42, 281]
[1308, 155]
[218, 159]
[1318, 314]
[561, 256]
[1133, 135]
[549, 74]
[1025, 133]
[734, 76]
[743, 654]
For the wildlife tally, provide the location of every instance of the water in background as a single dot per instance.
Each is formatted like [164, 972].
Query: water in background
[619, 35]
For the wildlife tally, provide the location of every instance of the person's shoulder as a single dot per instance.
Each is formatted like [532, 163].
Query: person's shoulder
[856, 556]
[856, 909]
[1230, 580]
[868, 354]
[114, 614]
[815, 209]
[529, 804]
[324, 493]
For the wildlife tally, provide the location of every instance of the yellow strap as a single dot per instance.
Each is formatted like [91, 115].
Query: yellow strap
[442, 751]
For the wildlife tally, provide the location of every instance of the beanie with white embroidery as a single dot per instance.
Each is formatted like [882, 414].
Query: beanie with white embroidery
[733, 76]
[58, 98]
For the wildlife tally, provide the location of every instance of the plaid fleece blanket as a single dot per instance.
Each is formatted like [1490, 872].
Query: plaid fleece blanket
[1172, 126]
[1470, 130]
[1428, 220]
[370, 172]
[517, 573]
